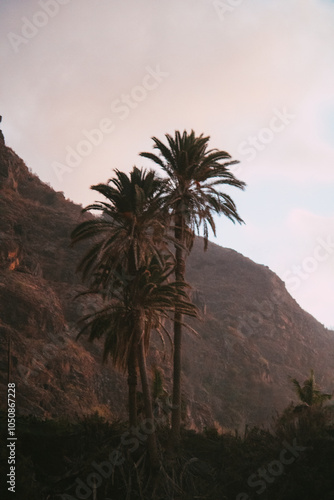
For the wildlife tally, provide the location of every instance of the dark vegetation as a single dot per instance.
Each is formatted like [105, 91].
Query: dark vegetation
[55, 457]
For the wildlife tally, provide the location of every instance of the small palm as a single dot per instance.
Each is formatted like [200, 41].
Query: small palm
[308, 393]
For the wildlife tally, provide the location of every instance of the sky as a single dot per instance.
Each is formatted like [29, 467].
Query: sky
[86, 84]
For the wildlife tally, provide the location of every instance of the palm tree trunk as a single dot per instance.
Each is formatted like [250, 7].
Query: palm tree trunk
[177, 367]
[151, 439]
[133, 357]
[132, 385]
[177, 360]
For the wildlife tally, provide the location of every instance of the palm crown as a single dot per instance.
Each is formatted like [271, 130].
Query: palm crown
[195, 173]
[149, 292]
[131, 227]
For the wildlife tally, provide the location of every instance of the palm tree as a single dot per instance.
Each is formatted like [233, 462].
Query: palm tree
[131, 228]
[132, 225]
[308, 393]
[194, 174]
[310, 417]
[134, 307]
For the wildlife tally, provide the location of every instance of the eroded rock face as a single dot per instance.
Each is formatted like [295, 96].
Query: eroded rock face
[251, 337]
[54, 374]
[10, 252]
[10, 168]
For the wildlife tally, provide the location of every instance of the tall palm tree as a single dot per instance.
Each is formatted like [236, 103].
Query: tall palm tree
[129, 229]
[194, 175]
[134, 307]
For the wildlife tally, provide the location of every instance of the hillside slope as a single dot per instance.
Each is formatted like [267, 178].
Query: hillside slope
[251, 337]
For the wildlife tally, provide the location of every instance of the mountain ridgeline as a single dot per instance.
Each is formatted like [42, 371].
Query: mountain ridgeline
[251, 337]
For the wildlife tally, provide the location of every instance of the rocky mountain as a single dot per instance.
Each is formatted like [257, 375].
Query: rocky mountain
[251, 337]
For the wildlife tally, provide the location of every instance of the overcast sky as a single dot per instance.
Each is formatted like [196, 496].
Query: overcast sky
[86, 84]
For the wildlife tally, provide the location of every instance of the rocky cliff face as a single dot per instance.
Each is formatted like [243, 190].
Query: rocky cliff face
[251, 337]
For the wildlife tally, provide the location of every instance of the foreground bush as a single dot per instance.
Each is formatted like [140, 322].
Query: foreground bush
[93, 459]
